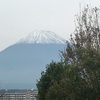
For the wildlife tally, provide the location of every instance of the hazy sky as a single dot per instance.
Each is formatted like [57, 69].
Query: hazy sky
[19, 17]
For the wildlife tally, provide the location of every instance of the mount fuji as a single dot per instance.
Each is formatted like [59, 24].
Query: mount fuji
[21, 64]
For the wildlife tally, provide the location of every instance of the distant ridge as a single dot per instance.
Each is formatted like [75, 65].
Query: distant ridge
[42, 37]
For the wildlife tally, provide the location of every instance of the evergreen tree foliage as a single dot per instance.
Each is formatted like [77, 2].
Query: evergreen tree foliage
[52, 74]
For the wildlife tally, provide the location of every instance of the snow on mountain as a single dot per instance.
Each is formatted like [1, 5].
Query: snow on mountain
[42, 37]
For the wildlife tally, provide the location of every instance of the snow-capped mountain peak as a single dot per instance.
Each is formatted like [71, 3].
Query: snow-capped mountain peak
[42, 37]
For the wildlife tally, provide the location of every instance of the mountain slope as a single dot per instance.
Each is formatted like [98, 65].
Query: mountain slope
[21, 64]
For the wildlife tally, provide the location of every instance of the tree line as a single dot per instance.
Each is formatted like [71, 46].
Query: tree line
[77, 75]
